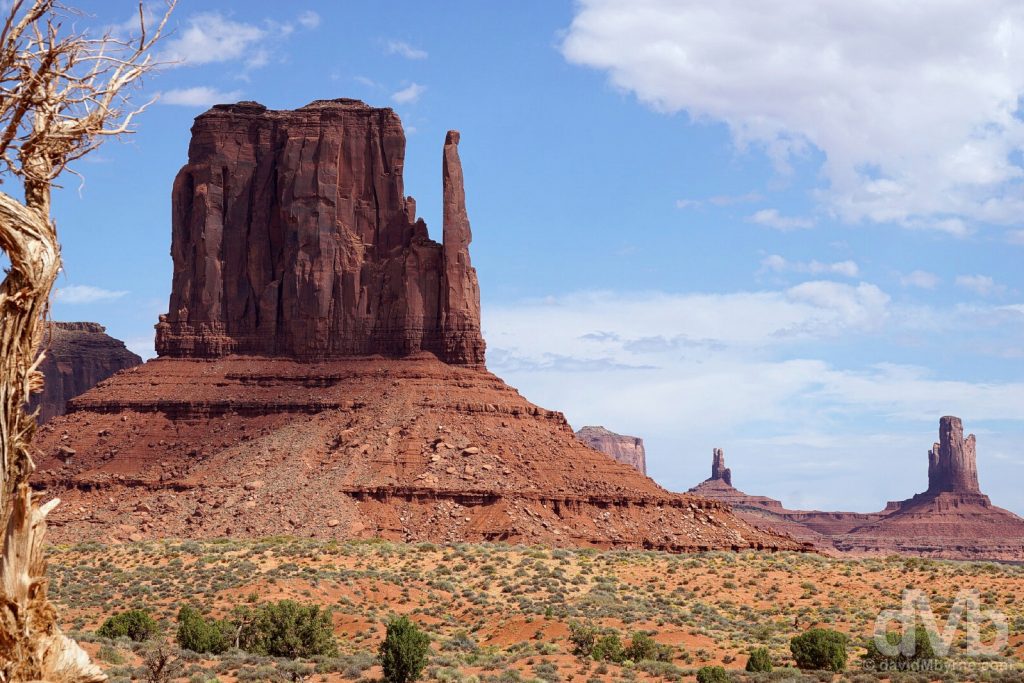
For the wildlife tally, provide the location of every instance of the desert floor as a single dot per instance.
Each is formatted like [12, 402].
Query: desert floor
[502, 613]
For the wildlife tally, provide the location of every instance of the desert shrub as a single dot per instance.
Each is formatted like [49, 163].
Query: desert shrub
[136, 624]
[760, 660]
[820, 648]
[197, 634]
[608, 648]
[582, 637]
[642, 647]
[913, 661]
[286, 629]
[403, 654]
[713, 674]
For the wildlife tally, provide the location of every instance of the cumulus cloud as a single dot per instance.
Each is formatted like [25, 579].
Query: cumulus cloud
[688, 372]
[914, 106]
[771, 218]
[85, 294]
[199, 96]
[403, 49]
[983, 285]
[780, 264]
[409, 94]
[921, 279]
[210, 37]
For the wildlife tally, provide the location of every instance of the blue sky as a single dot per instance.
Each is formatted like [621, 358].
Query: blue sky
[794, 234]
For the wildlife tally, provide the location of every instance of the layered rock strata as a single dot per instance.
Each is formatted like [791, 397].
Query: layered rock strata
[625, 449]
[78, 356]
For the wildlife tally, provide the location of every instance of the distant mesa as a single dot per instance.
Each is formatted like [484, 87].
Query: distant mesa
[952, 519]
[625, 449]
[320, 371]
[79, 355]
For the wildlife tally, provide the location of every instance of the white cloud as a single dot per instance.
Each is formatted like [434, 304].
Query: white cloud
[309, 19]
[85, 294]
[210, 37]
[398, 47]
[773, 219]
[779, 264]
[921, 279]
[914, 105]
[691, 371]
[409, 94]
[198, 96]
[979, 284]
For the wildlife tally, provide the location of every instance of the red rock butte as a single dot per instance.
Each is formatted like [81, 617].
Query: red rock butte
[620, 447]
[321, 372]
[77, 357]
[292, 236]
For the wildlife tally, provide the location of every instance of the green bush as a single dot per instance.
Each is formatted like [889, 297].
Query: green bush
[713, 674]
[760, 661]
[902, 661]
[136, 624]
[820, 648]
[199, 635]
[642, 647]
[582, 637]
[403, 654]
[608, 648]
[286, 629]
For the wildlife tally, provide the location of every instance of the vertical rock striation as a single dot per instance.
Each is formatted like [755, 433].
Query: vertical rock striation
[718, 468]
[625, 449]
[292, 236]
[952, 462]
[78, 357]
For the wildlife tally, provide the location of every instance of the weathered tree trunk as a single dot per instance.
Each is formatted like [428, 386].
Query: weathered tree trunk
[32, 647]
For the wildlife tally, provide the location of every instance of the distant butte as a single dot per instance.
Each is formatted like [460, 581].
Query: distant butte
[625, 449]
[79, 355]
[321, 372]
[952, 519]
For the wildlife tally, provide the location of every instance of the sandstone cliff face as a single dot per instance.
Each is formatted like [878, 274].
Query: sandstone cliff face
[78, 357]
[292, 236]
[625, 449]
[718, 468]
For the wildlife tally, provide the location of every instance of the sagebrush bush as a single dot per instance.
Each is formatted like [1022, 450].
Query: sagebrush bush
[403, 654]
[136, 624]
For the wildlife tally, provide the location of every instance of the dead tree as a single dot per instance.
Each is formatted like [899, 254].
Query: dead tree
[62, 93]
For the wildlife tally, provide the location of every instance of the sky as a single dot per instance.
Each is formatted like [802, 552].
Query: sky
[790, 230]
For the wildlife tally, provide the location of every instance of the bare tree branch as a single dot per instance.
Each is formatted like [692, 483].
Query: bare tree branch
[62, 93]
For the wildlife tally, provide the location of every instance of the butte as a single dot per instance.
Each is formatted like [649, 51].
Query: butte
[321, 372]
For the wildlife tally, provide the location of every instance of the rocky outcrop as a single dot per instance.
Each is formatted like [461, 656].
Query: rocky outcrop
[292, 237]
[295, 251]
[718, 469]
[624, 449]
[952, 463]
[79, 356]
[953, 519]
